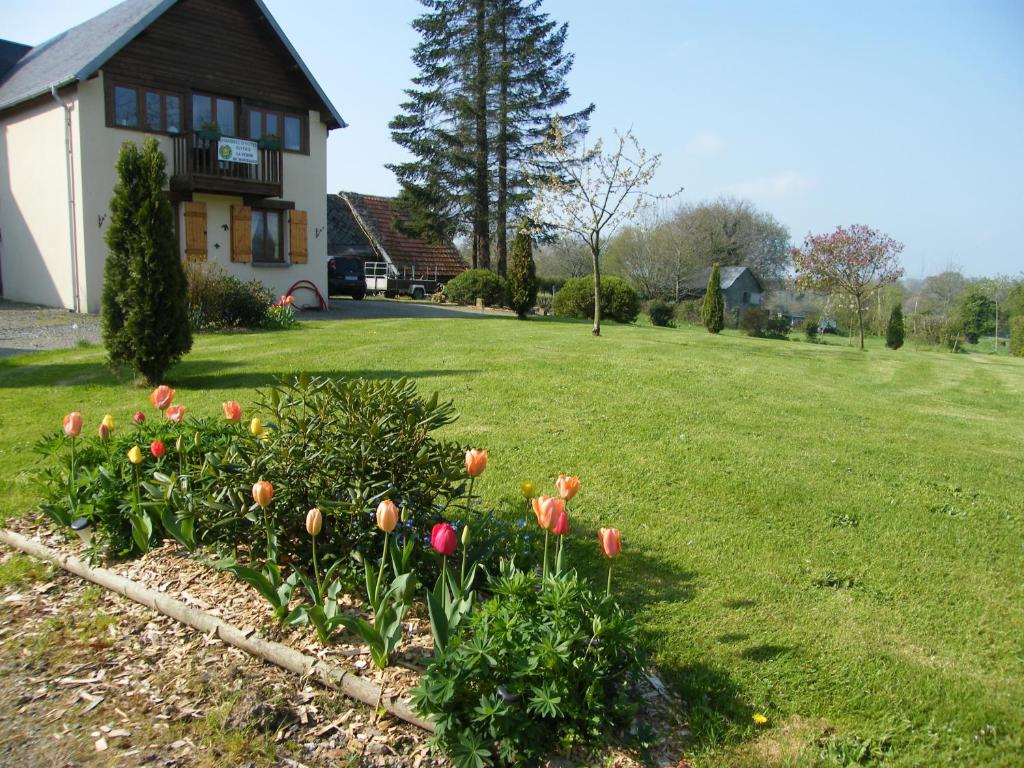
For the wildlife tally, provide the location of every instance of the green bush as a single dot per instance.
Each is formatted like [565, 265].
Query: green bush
[217, 300]
[1017, 336]
[811, 328]
[619, 301]
[522, 275]
[475, 284]
[754, 321]
[550, 284]
[144, 317]
[688, 311]
[894, 331]
[661, 314]
[542, 663]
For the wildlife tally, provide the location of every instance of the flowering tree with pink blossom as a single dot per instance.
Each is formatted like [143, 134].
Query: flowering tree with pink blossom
[853, 261]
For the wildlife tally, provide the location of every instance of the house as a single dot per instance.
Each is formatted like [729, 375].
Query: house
[740, 287]
[238, 115]
[365, 226]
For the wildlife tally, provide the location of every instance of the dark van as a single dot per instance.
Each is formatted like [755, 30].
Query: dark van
[345, 276]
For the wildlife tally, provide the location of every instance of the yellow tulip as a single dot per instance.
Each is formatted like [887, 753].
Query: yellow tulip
[314, 521]
[387, 515]
[108, 422]
[135, 455]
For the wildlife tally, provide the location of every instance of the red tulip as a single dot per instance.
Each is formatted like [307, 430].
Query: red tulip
[262, 492]
[232, 410]
[104, 431]
[547, 509]
[387, 515]
[611, 545]
[158, 449]
[139, 417]
[176, 413]
[568, 486]
[561, 527]
[161, 397]
[314, 521]
[476, 462]
[442, 538]
[73, 424]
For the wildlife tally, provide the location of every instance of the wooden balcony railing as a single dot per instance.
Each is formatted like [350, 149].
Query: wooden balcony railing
[197, 168]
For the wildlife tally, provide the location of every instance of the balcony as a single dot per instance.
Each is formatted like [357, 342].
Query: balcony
[198, 168]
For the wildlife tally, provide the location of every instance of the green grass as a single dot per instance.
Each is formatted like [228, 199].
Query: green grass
[827, 536]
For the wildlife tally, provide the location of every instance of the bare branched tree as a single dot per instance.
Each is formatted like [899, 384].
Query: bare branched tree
[589, 193]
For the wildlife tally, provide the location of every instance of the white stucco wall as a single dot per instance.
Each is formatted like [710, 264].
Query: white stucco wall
[35, 251]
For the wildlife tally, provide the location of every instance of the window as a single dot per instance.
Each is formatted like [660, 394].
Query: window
[148, 109]
[286, 128]
[213, 110]
[266, 236]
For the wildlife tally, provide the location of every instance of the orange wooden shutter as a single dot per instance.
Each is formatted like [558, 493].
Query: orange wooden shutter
[195, 231]
[241, 233]
[297, 237]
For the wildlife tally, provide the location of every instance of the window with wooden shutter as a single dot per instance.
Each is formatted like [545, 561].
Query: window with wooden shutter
[195, 231]
[298, 241]
[241, 234]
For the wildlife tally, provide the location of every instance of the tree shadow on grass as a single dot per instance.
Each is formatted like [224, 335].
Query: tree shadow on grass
[202, 377]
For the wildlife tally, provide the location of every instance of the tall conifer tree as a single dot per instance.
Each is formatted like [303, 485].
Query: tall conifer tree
[712, 312]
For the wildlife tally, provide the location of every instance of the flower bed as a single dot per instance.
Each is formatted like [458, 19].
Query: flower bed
[330, 484]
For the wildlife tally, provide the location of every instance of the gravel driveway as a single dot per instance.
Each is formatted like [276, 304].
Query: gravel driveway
[28, 328]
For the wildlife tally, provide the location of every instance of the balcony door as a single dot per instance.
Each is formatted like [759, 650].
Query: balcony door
[210, 110]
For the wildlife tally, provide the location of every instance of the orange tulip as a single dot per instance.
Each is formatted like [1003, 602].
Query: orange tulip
[262, 492]
[611, 545]
[476, 462]
[175, 413]
[73, 424]
[568, 486]
[161, 397]
[387, 515]
[232, 410]
[547, 509]
[314, 521]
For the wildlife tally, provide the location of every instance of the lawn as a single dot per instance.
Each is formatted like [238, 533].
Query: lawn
[829, 537]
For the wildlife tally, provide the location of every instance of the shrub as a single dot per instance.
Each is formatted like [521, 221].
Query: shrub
[688, 311]
[754, 321]
[1017, 336]
[522, 275]
[894, 331]
[474, 284]
[976, 313]
[576, 299]
[145, 323]
[712, 313]
[777, 327]
[541, 663]
[661, 314]
[550, 283]
[811, 328]
[217, 300]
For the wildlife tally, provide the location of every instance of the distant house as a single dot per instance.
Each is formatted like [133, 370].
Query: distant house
[740, 287]
[364, 226]
[236, 112]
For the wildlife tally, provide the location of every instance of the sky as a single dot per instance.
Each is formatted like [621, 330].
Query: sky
[906, 116]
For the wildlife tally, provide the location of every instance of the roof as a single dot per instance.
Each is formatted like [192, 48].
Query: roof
[81, 51]
[698, 281]
[355, 220]
[10, 52]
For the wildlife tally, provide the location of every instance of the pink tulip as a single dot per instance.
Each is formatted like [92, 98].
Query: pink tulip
[547, 509]
[568, 486]
[73, 424]
[176, 413]
[161, 397]
[443, 539]
[476, 462]
[561, 526]
[611, 545]
[232, 410]
[139, 417]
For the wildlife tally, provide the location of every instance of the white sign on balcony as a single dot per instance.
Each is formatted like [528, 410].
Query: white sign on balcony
[232, 150]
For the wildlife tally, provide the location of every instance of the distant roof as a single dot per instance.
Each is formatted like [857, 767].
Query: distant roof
[79, 52]
[698, 281]
[355, 221]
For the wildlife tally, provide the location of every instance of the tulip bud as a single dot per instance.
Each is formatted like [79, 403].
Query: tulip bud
[528, 489]
[466, 538]
[135, 455]
[262, 492]
[314, 521]
[104, 432]
[139, 417]
[611, 544]
[405, 514]
[256, 426]
[387, 515]
[442, 539]
[177, 444]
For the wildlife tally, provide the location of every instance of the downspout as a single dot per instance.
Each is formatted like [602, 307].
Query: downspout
[69, 153]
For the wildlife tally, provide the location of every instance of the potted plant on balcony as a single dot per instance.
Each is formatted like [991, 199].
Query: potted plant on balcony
[270, 141]
[209, 132]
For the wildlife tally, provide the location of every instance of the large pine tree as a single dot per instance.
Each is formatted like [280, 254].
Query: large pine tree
[491, 76]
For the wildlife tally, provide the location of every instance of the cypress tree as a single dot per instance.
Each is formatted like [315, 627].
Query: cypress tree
[522, 275]
[712, 312]
[144, 307]
[894, 332]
